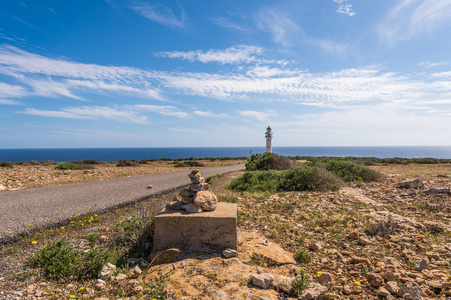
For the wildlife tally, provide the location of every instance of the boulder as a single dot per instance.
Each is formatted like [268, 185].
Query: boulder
[228, 253]
[374, 279]
[262, 280]
[283, 283]
[313, 291]
[192, 208]
[434, 190]
[411, 184]
[177, 205]
[412, 291]
[207, 200]
[325, 279]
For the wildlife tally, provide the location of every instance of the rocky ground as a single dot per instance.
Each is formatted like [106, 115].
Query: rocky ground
[366, 241]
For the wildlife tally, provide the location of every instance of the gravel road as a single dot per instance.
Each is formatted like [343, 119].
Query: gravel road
[20, 208]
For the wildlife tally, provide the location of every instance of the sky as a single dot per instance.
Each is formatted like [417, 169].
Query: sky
[141, 73]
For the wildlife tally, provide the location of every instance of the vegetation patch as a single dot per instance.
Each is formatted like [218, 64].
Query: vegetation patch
[71, 166]
[127, 163]
[268, 161]
[189, 163]
[348, 171]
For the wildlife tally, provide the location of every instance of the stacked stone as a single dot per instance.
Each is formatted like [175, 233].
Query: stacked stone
[197, 198]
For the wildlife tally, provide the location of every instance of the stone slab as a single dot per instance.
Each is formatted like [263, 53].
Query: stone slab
[208, 231]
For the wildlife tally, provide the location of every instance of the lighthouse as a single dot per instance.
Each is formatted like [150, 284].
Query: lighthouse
[268, 136]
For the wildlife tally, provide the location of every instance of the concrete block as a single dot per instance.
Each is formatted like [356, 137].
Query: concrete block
[205, 232]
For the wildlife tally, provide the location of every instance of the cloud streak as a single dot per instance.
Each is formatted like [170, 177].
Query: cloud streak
[160, 14]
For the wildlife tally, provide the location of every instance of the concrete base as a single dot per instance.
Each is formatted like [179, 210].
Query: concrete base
[205, 232]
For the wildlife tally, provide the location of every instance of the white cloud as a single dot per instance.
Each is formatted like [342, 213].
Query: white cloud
[429, 64]
[344, 7]
[9, 102]
[162, 110]
[278, 22]
[94, 112]
[258, 115]
[209, 114]
[13, 91]
[160, 14]
[224, 22]
[232, 55]
[411, 18]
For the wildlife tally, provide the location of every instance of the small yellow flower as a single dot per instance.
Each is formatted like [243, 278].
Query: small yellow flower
[95, 215]
[81, 288]
[328, 235]
[34, 242]
[72, 296]
[72, 222]
[31, 225]
[39, 222]
[62, 227]
[48, 219]
[90, 207]
[319, 272]
[319, 248]
[357, 283]
[82, 224]
[52, 293]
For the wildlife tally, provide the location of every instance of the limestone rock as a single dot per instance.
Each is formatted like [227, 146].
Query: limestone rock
[227, 253]
[187, 200]
[315, 247]
[393, 288]
[195, 187]
[262, 280]
[382, 292]
[411, 184]
[435, 190]
[325, 279]
[176, 205]
[313, 291]
[192, 208]
[206, 200]
[107, 270]
[374, 279]
[120, 277]
[412, 291]
[422, 264]
[134, 272]
[360, 260]
[283, 283]
[187, 193]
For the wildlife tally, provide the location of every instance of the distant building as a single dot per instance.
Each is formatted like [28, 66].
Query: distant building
[268, 136]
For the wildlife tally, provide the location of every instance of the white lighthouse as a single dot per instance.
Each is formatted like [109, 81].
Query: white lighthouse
[268, 136]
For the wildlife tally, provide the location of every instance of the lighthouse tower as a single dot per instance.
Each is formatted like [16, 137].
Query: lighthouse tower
[268, 136]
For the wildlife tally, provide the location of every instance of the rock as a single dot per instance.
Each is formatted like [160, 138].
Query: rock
[283, 283]
[315, 247]
[343, 245]
[199, 186]
[186, 199]
[187, 193]
[412, 291]
[192, 208]
[107, 270]
[393, 288]
[382, 292]
[99, 284]
[411, 184]
[434, 190]
[390, 276]
[422, 264]
[2, 187]
[262, 280]
[347, 290]
[329, 296]
[353, 235]
[374, 279]
[227, 253]
[149, 186]
[360, 260]
[120, 277]
[176, 205]
[206, 200]
[433, 255]
[313, 291]
[325, 279]
[134, 272]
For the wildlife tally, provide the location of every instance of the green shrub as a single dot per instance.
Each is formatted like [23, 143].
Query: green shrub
[300, 283]
[91, 162]
[301, 256]
[57, 260]
[71, 166]
[268, 161]
[6, 164]
[349, 171]
[190, 164]
[297, 178]
[308, 178]
[127, 163]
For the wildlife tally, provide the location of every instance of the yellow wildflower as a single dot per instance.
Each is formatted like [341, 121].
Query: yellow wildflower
[62, 227]
[34, 242]
[357, 283]
[319, 272]
[31, 225]
[72, 296]
[81, 288]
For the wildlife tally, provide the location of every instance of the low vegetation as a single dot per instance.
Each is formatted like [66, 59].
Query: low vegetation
[72, 166]
[268, 161]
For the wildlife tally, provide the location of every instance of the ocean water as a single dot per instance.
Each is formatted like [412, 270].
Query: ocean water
[115, 154]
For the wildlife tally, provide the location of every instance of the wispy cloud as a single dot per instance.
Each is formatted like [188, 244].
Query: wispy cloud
[209, 114]
[95, 112]
[411, 18]
[258, 115]
[344, 8]
[232, 55]
[162, 110]
[430, 64]
[160, 14]
[225, 22]
[278, 22]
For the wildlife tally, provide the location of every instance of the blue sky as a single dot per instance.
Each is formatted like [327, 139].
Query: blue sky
[136, 73]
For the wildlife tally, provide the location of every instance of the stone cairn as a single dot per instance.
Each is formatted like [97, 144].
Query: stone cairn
[197, 198]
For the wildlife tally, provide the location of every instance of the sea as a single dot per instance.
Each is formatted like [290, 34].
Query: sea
[115, 154]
